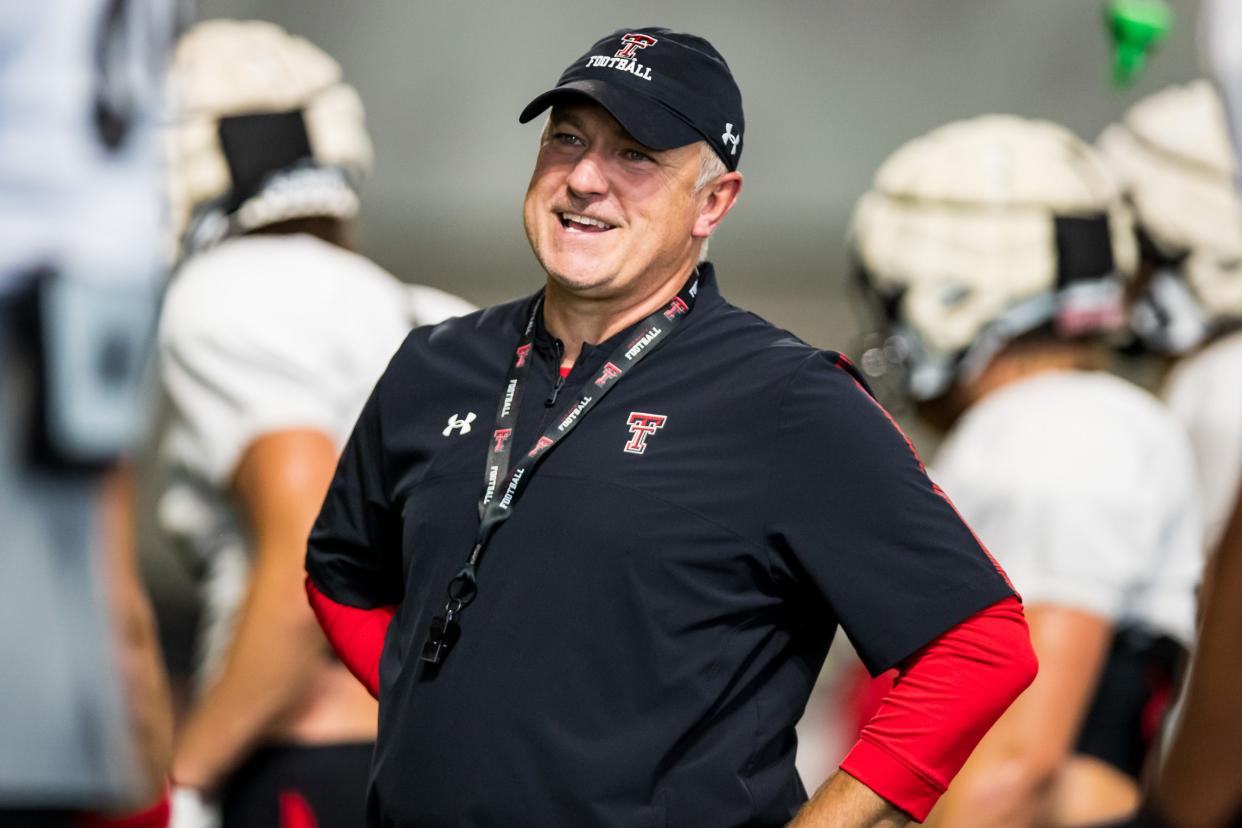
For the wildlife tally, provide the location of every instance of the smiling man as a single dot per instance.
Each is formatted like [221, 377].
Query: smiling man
[590, 547]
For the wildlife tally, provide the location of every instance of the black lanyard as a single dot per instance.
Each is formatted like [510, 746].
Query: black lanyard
[502, 487]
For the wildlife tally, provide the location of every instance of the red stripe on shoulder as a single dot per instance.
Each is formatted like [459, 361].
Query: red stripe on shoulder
[995, 563]
[846, 365]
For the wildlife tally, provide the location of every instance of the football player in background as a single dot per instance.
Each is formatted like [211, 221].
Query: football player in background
[1174, 154]
[84, 719]
[273, 332]
[994, 251]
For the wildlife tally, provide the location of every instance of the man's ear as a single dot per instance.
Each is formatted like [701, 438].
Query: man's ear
[715, 202]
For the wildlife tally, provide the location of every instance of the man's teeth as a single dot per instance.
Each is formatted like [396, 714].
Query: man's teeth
[586, 220]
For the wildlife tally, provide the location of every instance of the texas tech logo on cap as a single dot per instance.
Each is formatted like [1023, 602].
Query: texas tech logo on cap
[642, 426]
[633, 42]
[624, 59]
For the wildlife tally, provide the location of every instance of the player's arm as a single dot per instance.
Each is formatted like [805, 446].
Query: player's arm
[1200, 784]
[277, 646]
[1008, 777]
[142, 668]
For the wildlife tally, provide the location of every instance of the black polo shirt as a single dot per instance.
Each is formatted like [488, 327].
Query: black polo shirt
[652, 618]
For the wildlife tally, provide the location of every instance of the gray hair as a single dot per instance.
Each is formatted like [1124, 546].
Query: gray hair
[711, 167]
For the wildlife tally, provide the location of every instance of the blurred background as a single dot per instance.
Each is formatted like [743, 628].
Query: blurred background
[829, 88]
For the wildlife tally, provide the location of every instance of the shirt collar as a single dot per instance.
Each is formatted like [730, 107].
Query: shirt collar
[546, 344]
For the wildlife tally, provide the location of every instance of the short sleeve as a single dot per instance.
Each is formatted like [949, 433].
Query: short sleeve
[430, 306]
[1087, 499]
[251, 343]
[859, 522]
[1204, 392]
[1064, 545]
[226, 390]
[354, 552]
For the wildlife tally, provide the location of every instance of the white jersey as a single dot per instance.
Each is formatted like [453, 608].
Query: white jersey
[1082, 486]
[68, 200]
[1204, 391]
[261, 334]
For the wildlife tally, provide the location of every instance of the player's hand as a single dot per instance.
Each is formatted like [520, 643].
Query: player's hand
[192, 809]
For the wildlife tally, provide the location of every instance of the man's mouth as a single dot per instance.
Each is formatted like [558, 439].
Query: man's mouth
[576, 223]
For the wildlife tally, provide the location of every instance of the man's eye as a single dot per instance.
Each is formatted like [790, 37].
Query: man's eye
[566, 139]
[636, 155]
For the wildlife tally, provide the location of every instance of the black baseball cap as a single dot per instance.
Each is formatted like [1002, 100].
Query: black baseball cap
[666, 88]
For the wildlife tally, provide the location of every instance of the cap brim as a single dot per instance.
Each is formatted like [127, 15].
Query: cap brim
[646, 119]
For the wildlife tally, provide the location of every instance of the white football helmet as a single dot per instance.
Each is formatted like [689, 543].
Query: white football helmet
[263, 130]
[1175, 160]
[979, 232]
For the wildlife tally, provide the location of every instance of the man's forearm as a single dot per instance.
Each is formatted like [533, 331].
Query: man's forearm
[844, 802]
[947, 697]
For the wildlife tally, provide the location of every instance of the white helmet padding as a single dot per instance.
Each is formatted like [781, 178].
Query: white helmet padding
[1175, 160]
[986, 229]
[255, 108]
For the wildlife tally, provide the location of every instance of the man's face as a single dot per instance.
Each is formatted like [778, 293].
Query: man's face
[605, 215]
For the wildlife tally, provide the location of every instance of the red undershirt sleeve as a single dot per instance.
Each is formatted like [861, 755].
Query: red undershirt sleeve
[357, 635]
[945, 698]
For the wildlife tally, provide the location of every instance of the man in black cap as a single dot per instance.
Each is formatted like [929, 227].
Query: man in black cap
[622, 624]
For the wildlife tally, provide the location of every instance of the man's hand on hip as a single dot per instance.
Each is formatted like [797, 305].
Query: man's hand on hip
[844, 802]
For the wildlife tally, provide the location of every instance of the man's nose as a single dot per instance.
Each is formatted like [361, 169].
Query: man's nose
[589, 177]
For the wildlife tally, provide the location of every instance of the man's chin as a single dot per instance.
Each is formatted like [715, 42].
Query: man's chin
[579, 277]
[577, 281]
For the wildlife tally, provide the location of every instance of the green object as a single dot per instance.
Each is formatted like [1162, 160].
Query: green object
[1136, 26]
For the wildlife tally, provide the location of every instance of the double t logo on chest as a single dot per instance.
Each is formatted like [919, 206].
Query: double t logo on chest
[642, 426]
